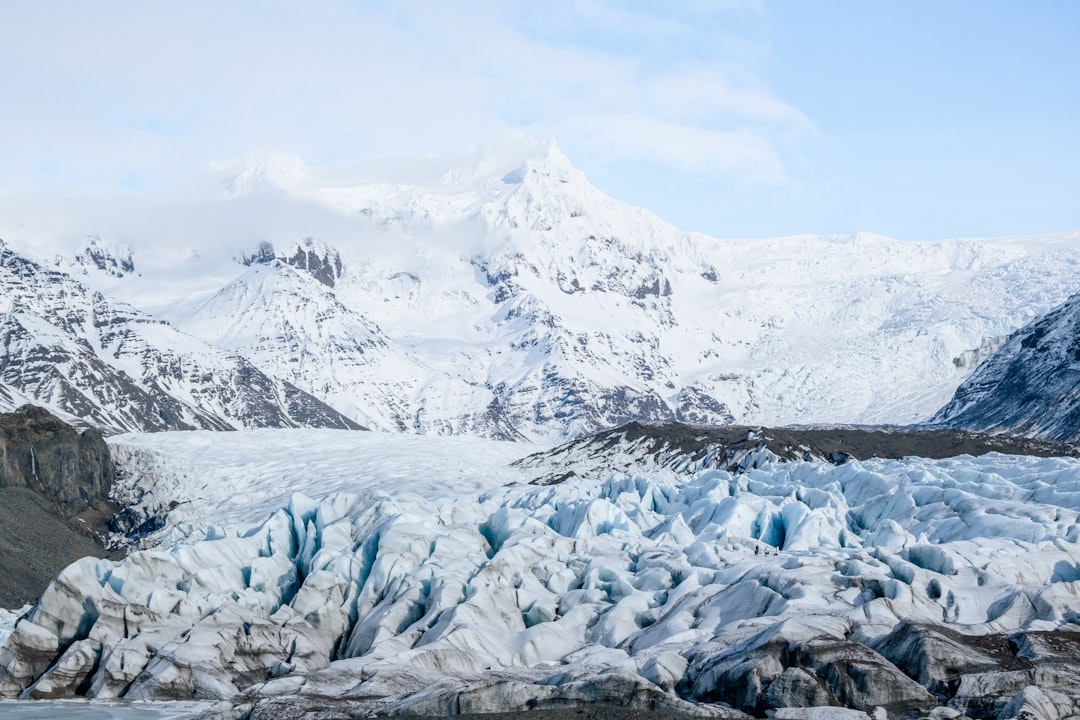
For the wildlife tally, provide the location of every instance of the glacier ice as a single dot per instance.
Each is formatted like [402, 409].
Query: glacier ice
[426, 575]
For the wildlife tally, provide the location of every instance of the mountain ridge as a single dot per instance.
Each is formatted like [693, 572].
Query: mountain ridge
[1029, 386]
[500, 293]
[119, 369]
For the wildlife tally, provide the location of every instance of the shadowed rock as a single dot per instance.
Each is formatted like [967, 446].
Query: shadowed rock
[937, 658]
[41, 452]
[1027, 387]
[54, 490]
[862, 679]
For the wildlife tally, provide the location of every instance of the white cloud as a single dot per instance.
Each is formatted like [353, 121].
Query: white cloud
[739, 153]
[137, 94]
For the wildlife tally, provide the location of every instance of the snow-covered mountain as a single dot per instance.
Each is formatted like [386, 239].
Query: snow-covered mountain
[1030, 386]
[282, 315]
[98, 256]
[525, 298]
[499, 293]
[109, 365]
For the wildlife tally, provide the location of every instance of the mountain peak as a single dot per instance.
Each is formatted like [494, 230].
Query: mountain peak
[549, 164]
[318, 259]
[110, 258]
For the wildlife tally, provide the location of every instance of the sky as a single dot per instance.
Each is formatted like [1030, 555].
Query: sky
[737, 118]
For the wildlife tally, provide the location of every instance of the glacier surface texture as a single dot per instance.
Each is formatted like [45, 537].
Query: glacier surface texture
[302, 572]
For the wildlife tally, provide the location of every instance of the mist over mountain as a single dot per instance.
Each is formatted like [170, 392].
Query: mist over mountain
[499, 293]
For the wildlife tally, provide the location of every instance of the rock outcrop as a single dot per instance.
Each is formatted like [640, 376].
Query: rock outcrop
[318, 259]
[41, 452]
[54, 499]
[1029, 386]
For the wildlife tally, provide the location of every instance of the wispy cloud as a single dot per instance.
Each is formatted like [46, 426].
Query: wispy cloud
[140, 94]
[696, 151]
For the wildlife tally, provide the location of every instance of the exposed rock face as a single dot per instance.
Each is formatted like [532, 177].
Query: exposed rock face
[101, 256]
[323, 263]
[54, 489]
[319, 260]
[41, 452]
[1029, 386]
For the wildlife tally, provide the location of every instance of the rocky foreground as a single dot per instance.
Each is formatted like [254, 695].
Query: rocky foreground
[324, 574]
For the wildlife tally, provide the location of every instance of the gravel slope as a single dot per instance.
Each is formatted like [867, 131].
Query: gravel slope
[35, 544]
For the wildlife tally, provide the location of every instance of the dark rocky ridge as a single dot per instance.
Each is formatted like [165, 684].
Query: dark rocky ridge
[54, 499]
[1030, 386]
[738, 447]
[319, 260]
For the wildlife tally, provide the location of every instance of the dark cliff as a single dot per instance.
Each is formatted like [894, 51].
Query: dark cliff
[54, 500]
[41, 452]
[1030, 386]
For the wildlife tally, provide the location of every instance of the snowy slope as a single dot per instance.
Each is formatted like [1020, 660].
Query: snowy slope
[104, 362]
[323, 571]
[499, 293]
[547, 309]
[1030, 386]
[568, 311]
[292, 326]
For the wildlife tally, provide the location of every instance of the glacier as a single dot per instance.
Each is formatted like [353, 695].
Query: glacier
[303, 573]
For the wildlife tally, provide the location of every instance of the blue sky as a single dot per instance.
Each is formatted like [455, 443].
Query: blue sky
[918, 119]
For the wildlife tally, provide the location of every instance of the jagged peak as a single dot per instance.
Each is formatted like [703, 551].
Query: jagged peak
[550, 164]
[321, 261]
[114, 258]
